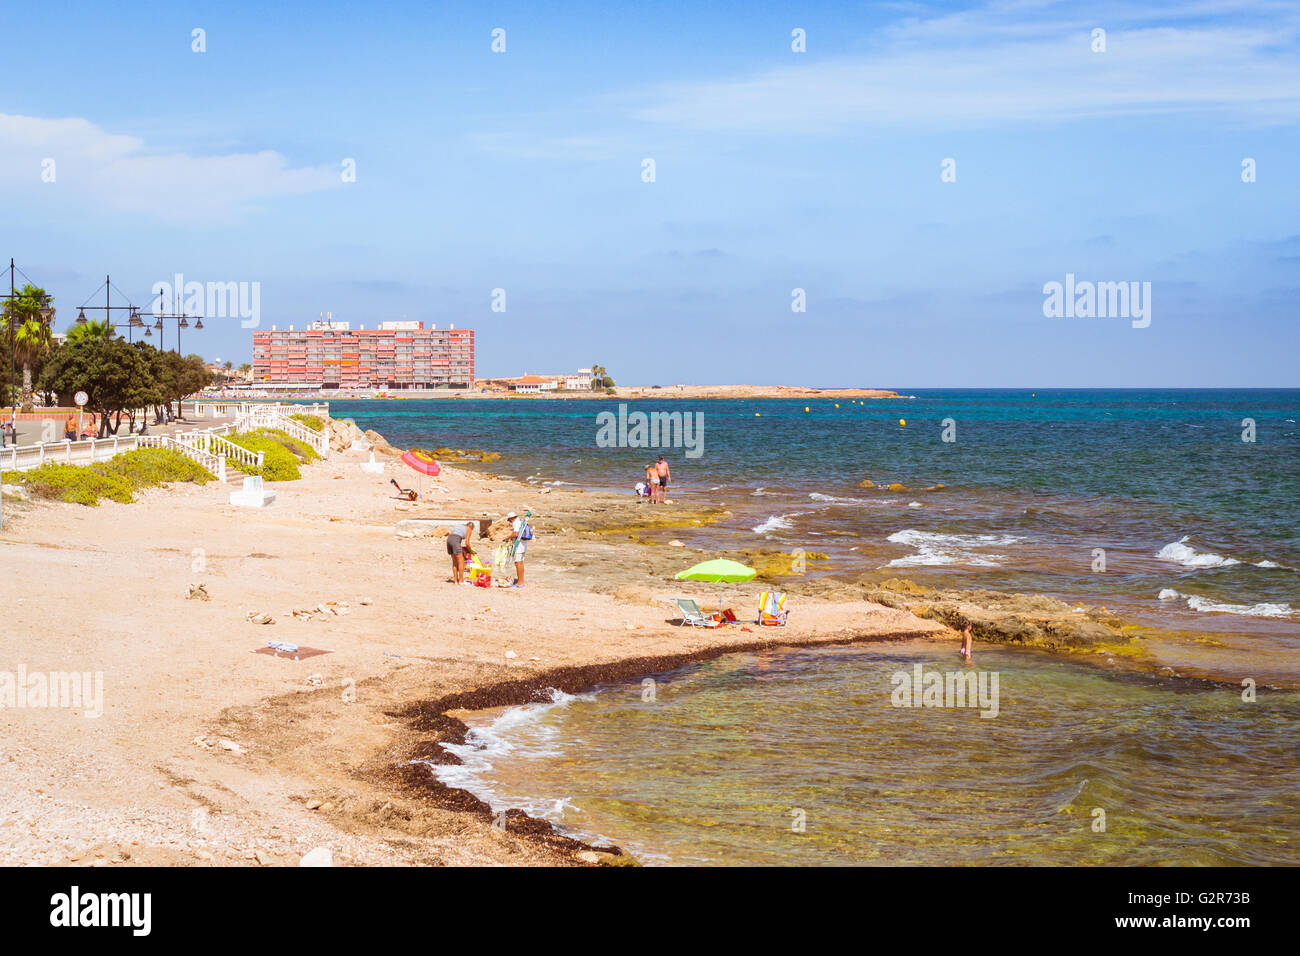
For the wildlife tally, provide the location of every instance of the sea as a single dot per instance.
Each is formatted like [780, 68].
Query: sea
[1178, 510]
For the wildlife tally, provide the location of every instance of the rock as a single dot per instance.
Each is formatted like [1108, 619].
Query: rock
[203, 855]
[313, 804]
[866, 483]
[675, 544]
[260, 617]
[591, 856]
[326, 807]
[511, 655]
[896, 487]
[230, 745]
[321, 856]
[262, 858]
[197, 592]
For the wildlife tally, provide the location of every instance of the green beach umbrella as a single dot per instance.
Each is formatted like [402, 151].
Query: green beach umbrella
[718, 571]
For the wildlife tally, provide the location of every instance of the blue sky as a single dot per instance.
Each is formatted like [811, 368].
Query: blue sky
[775, 170]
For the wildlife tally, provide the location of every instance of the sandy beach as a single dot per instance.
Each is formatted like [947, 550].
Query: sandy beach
[209, 753]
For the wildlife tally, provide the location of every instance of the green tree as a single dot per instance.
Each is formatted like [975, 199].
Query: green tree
[92, 329]
[115, 376]
[27, 321]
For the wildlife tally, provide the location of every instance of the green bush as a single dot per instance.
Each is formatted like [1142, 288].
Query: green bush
[304, 451]
[314, 422]
[278, 462]
[114, 479]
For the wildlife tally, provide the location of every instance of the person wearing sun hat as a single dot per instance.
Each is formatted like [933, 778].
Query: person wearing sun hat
[520, 535]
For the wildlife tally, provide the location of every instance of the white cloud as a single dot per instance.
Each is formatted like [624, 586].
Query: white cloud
[1011, 63]
[119, 173]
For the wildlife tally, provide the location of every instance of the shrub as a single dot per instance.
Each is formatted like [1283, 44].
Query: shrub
[314, 422]
[304, 451]
[114, 479]
[278, 463]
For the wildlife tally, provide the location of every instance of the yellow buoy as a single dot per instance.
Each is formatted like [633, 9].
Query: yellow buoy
[805, 408]
[756, 414]
[902, 423]
[837, 404]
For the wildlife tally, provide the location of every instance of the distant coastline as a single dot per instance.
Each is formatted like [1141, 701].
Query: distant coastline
[692, 392]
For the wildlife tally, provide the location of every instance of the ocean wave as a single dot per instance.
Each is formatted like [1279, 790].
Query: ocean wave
[1207, 606]
[934, 548]
[516, 730]
[763, 492]
[775, 523]
[831, 499]
[1180, 552]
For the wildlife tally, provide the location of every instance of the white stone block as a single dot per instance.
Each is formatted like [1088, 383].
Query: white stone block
[372, 467]
[252, 495]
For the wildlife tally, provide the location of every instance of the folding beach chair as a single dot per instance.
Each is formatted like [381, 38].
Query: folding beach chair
[771, 609]
[692, 615]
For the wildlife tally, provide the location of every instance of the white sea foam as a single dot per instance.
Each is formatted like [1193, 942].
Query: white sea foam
[915, 504]
[831, 499]
[516, 730]
[934, 548]
[1180, 552]
[1207, 606]
[1250, 610]
[775, 523]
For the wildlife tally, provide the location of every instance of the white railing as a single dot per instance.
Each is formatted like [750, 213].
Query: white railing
[277, 416]
[214, 444]
[208, 447]
[320, 441]
[26, 457]
[213, 463]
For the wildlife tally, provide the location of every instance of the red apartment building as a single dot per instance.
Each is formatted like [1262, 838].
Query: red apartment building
[394, 356]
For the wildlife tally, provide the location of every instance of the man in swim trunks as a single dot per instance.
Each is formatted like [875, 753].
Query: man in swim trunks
[665, 475]
[70, 428]
[457, 545]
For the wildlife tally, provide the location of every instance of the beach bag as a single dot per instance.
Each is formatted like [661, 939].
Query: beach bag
[526, 533]
[483, 579]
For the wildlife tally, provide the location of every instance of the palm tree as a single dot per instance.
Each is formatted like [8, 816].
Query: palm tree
[92, 329]
[27, 317]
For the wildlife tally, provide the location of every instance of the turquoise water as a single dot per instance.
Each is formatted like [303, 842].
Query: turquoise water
[1036, 482]
[1076, 766]
[1199, 532]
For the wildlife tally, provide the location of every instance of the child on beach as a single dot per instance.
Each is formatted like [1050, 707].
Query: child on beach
[652, 483]
[966, 639]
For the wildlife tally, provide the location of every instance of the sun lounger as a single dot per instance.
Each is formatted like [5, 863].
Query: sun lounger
[692, 615]
[771, 609]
